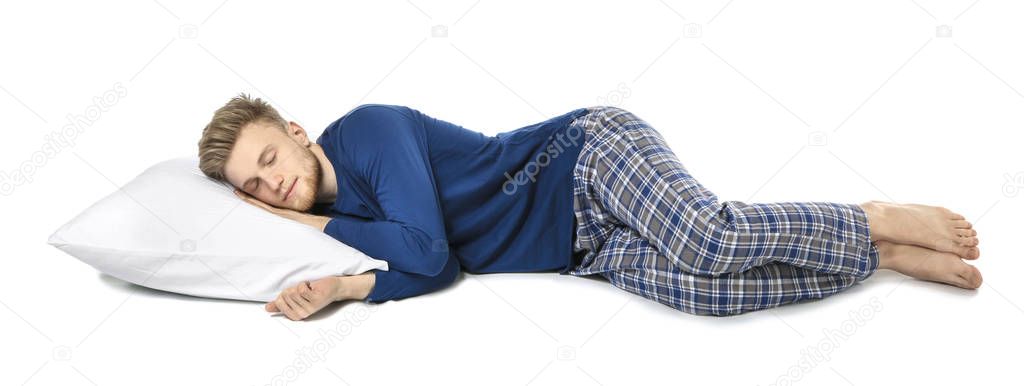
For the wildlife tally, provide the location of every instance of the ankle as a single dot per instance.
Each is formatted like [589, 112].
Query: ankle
[356, 287]
[886, 257]
[877, 220]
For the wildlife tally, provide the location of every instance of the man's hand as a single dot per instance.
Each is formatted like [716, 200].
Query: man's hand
[318, 222]
[308, 297]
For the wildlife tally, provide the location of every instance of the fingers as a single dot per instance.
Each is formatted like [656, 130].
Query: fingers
[296, 303]
[252, 200]
[242, 195]
[299, 311]
[306, 291]
[282, 307]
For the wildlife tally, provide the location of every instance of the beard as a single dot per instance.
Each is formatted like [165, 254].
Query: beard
[311, 181]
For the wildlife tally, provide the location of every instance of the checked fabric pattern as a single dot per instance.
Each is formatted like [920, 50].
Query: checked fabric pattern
[644, 223]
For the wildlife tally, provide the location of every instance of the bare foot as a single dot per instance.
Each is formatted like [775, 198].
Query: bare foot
[926, 264]
[931, 227]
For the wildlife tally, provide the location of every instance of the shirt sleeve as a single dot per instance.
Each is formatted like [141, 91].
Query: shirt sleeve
[394, 285]
[387, 148]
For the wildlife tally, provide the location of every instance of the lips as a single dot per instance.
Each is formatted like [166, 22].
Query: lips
[288, 194]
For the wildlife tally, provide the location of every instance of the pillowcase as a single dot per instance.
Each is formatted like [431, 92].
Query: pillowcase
[172, 228]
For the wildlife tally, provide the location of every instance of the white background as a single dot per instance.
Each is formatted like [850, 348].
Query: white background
[784, 101]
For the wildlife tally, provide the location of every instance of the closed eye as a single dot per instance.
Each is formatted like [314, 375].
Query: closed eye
[256, 181]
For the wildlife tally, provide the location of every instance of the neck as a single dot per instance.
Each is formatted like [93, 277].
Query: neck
[328, 190]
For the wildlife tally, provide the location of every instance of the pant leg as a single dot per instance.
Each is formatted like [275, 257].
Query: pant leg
[642, 270]
[628, 175]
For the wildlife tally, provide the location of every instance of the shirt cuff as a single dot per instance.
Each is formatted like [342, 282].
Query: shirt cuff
[382, 287]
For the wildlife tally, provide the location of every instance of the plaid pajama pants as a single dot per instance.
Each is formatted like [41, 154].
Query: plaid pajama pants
[644, 223]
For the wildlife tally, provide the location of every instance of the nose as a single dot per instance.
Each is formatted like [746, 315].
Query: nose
[273, 179]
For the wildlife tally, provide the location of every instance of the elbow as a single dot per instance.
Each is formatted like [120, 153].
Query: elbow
[444, 272]
[449, 272]
[433, 255]
[435, 262]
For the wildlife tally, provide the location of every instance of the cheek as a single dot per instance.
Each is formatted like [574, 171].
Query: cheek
[265, 195]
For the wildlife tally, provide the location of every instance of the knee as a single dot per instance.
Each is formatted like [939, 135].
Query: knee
[616, 109]
[608, 109]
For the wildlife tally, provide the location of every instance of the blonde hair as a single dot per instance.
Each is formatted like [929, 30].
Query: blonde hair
[220, 134]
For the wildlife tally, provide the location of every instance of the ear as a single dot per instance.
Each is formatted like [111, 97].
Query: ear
[298, 134]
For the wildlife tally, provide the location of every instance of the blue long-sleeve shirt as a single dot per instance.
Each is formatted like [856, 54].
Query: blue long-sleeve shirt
[431, 197]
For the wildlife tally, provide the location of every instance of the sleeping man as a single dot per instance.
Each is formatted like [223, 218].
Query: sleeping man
[592, 191]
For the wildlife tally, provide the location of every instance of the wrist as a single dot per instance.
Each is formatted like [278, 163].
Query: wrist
[318, 222]
[355, 287]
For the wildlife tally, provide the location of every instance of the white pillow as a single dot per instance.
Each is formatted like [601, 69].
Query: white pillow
[174, 229]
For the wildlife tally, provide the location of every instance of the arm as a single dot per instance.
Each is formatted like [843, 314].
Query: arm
[405, 247]
[355, 287]
[392, 161]
[394, 285]
[306, 298]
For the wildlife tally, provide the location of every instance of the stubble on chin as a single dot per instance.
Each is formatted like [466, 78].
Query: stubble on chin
[311, 181]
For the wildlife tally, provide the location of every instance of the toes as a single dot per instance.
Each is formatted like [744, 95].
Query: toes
[966, 237]
[968, 241]
[969, 253]
[970, 277]
[966, 232]
[961, 224]
[975, 277]
[956, 216]
[973, 253]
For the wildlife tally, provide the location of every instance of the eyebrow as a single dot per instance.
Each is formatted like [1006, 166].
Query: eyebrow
[259, 160]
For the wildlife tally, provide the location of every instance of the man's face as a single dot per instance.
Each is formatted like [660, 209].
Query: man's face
[275, 166]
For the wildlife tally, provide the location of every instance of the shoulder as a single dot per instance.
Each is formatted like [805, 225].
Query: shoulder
[377, 112]
[370, 117]
[372, 129]
[377, 125]
[376, 118]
